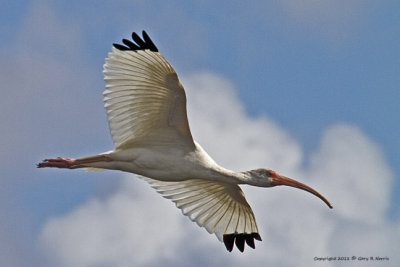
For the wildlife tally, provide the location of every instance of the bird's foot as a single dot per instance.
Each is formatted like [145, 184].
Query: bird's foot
[65, 163]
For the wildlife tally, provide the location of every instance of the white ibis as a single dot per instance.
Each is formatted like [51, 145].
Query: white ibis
[146, 110]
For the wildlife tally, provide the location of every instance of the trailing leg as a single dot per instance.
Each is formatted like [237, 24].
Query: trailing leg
[69, 163]
[64, 163]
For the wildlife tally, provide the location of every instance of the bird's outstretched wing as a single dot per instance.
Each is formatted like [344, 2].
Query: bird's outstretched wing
[221, 208]
[144, 98]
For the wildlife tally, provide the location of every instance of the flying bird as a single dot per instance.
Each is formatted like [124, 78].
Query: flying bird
[146, 111]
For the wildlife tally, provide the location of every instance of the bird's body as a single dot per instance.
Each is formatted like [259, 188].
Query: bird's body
[146, 109]
[160, 162]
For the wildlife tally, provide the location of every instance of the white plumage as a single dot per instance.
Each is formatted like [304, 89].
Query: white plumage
[221, 208]
[146, 109]
[144, 99]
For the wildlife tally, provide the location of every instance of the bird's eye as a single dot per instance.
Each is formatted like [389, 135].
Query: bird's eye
[268, 174]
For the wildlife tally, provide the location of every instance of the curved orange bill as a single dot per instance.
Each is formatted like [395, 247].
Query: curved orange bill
[282, 180]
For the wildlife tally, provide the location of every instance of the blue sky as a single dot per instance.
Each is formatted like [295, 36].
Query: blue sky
[303, 66]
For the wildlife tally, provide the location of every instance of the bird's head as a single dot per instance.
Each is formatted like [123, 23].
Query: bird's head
[269, 178]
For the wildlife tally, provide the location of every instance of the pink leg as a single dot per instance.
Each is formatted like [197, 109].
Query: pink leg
[66, 163]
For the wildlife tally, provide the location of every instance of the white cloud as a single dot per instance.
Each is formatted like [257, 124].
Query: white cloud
[45, 33]
[136, 226]
[39, 83]
[226, 131]
[335, 21]
[116, 231]
[340, 163]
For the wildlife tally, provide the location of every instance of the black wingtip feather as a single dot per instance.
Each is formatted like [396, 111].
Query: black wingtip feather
[150, 43]
[250, 242]
[129, 44]
[257, 236]
[239, 240]
[121, 47]
[140, 44]
[229, 241]
[138, 40]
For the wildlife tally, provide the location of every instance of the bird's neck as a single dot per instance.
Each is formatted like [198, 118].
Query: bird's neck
[224, 175]
[215, 172]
